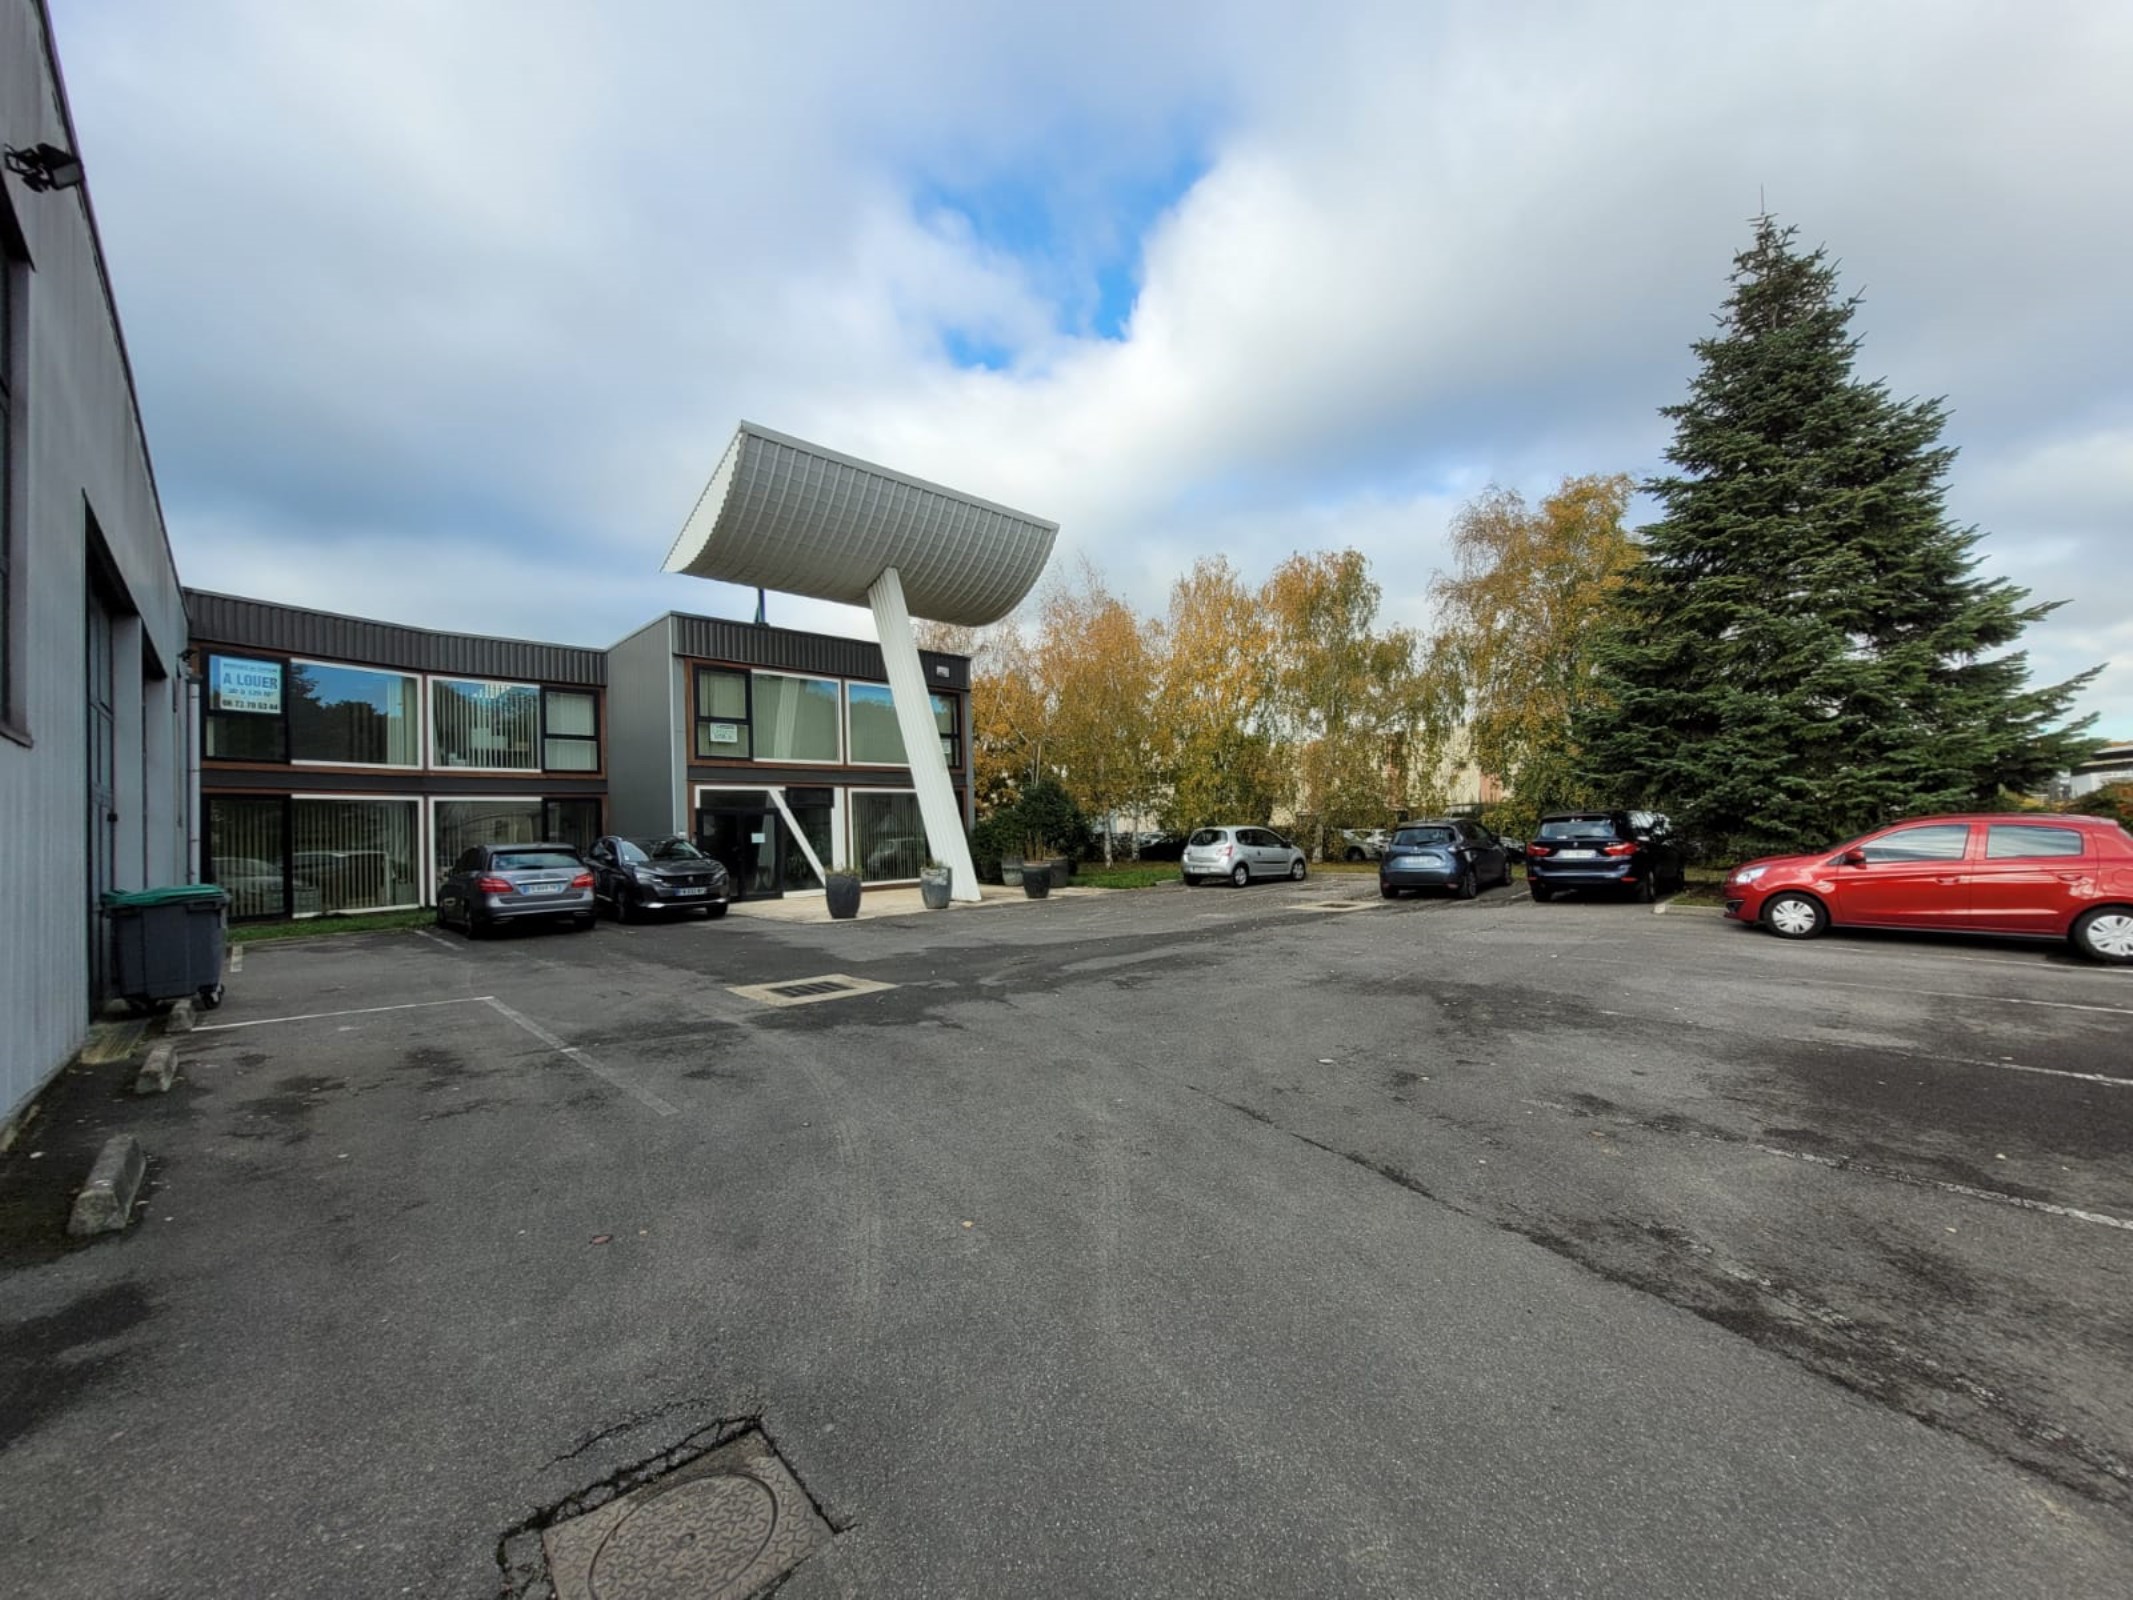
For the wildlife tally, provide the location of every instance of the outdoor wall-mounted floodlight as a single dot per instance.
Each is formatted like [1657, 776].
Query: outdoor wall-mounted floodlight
[43, 167]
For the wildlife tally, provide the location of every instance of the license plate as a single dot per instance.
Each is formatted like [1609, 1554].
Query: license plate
[1577, 855]
[542, 888]
[679, 893]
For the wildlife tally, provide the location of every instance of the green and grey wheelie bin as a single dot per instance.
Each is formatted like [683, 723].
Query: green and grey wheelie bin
[167, 943]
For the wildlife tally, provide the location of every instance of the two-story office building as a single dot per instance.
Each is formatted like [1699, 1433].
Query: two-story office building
[346, 763]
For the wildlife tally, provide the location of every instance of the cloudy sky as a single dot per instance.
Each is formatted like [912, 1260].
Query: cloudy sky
[443, 310]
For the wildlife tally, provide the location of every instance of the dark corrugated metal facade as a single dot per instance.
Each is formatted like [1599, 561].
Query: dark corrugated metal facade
[789, 650]
[291, 630]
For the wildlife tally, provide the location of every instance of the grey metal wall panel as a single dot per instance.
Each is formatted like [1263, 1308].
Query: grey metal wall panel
[790, 650]
[245, 623]
[77, 457]
[644, 731]
[302, 780]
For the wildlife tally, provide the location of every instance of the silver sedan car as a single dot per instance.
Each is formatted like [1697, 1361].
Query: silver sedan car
[1240, 855]
[492, 884]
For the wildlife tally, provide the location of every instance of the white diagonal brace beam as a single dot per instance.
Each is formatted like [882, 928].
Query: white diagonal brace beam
[945, 840]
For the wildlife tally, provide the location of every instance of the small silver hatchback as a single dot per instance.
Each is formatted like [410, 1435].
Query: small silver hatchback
[1240, 855]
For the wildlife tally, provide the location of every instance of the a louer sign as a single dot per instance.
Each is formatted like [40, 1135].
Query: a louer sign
[240, 685]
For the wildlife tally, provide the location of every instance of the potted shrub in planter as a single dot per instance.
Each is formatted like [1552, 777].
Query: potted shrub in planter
[1036, 880]
[936, 880]
[842, 891]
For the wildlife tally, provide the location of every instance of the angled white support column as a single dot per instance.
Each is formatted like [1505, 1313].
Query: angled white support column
[945, 840]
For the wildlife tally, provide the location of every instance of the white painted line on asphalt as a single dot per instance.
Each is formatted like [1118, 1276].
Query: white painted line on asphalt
[1993, 999]
[635, 1091]
[1845, 1164]
[359, 1011]
[446, 944]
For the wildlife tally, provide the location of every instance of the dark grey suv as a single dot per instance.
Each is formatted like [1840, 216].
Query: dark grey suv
[492, 884]
[1627, 852]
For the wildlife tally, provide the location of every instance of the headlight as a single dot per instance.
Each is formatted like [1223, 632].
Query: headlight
[1749, 874]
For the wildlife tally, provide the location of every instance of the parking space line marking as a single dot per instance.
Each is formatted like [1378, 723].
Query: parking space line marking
[424, 933]
[359, 1011]
[1997, 1197]
[614, 1079]
[1874, 988]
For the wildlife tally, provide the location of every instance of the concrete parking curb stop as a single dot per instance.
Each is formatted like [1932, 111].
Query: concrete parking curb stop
[105, 1204]
[158, 1070]
[180, 1019]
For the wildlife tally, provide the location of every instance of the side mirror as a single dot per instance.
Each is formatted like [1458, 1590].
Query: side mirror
[1853, 858]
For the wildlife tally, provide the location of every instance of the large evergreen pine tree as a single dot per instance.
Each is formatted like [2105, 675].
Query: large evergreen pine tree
[1807, 650]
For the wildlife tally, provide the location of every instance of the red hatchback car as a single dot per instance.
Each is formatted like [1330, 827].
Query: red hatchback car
[2026, 874]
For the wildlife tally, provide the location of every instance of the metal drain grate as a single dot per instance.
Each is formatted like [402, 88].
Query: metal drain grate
[723, 1528]
[808, 991]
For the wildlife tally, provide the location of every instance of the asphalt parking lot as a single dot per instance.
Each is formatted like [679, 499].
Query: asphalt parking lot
[1208, 1242]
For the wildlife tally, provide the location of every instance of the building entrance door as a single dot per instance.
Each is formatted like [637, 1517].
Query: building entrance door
[103, 793]
[742, 831]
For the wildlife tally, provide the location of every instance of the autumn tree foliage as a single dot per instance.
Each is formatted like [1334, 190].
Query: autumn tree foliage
[1092, 665]
[1212, 683]
[1511, 667]
[1808, 648]
[1342, 698]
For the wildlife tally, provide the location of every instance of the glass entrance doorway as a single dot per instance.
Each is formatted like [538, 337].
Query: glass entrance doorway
[742, 831]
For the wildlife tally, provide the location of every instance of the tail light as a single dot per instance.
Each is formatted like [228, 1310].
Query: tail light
[493, 886]
[583, 880]
[1228, 849]
[1539, 850]
[1620, 850]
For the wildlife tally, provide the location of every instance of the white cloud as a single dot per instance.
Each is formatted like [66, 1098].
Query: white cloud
[494, 280]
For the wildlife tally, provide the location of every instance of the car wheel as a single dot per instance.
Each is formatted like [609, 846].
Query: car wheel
[713, 913]
[1354, 854]
[1504, 882]
[1188, 880]
[1540, 892]
[1795, 916]
[1241, 876]
[1387, 892]
[2105, 934]
[624, 910]
[1646, 891]
[477, 928]
[1466, 888]
[1297, 870]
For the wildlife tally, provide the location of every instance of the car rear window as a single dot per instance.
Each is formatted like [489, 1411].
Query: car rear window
[1206, 836]
[532, 861]
[2005, 841]
[1423, 836]
[1578, 828]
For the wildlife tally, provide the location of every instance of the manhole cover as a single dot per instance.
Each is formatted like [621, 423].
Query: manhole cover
[722, 1528]
[807, 991]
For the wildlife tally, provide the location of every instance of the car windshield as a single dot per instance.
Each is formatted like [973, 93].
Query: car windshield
[1578, 828]
[532, 860]
[1206, 836]
[1423, 836]
[660, 850]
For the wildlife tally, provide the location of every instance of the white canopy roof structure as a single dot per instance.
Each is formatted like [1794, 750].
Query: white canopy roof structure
[780, 513]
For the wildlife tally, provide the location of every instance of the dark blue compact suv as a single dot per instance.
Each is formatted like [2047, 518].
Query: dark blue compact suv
[1622, 852]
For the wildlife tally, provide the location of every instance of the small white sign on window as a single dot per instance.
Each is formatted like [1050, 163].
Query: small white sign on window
[725, 733]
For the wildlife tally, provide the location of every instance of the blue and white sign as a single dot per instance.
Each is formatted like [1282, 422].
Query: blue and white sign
[235, 684]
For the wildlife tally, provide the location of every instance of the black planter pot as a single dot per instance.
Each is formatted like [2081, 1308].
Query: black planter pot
[1036, 882]
[842, 891]
[1062, 871]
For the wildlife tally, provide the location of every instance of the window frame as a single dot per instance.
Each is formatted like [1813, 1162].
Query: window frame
[423, 850]
[436, 764]
[1968, 831]
[288, 741]
[2079, 836]
[598, 722]
[700, 718]
[937, 700]
[14, 552]
[209, 655]
[755, 744]
[855, 860]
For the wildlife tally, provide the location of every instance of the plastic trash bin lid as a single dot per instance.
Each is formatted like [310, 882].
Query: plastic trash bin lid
[177, 894]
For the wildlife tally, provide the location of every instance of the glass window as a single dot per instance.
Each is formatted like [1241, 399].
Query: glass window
[888, 840]
[1940, 841]
[247, 853]
[574, 822]
[722, 732]
[533, 860]
[463, 824]
[795, 718]
[243, 720]
[353, 715]
[570, 730]
[2011, 841]
[489, 725]
[1578, 828]
[355, 855]
[877, 740]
